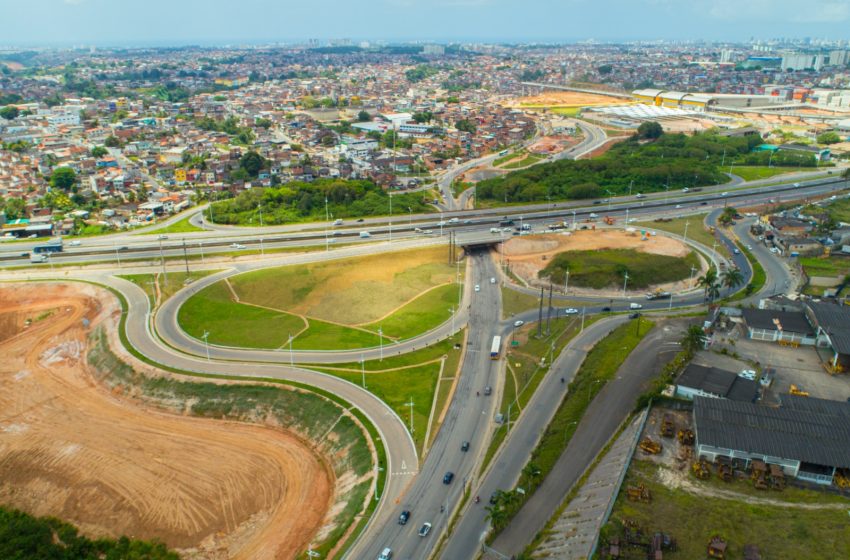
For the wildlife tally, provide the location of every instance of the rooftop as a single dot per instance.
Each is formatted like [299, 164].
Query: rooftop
[816, 431]
[786, 321]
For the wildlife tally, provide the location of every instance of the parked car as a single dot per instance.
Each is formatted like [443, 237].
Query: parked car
[448, 477]
[404, 517]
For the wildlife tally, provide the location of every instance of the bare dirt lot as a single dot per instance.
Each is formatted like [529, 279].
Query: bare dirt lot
[564, 98]
[528, 255]
[553, 144]
[71, 449]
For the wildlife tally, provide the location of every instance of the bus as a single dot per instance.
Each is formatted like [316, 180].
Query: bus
[52, 246]
[496, 348]
[503, 153]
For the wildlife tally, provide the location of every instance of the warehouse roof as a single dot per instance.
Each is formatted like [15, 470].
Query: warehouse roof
[815, 432]
[835, 320]
[720, 382]
[786, 321]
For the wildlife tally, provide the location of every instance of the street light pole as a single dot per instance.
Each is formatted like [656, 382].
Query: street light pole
[625, 281]
[205, 336]
[381, 336]
[391, 217]
[410, 404]
[567, 281]
[574, 220]
[686, 230]
[363, 370]
[291, 360]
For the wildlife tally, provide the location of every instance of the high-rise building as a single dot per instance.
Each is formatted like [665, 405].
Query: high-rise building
[434, 49]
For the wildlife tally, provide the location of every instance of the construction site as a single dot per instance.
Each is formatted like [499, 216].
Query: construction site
[74, 448]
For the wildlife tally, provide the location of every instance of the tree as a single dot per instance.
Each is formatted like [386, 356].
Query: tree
[363, 116]
[252, 163]
[99, 152]
[728, 215]
[465, 125]
[708, 280]
[829, 138]
[264, 123]
[9, 113]
[423, 117]
[63, 178]
[693, 340]
[733, 278]
[605, 69]
[112, 142]
[650, 130]
[14, 208]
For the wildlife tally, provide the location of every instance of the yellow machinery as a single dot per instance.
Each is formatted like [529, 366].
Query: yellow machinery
[650, 447]
[795, 390]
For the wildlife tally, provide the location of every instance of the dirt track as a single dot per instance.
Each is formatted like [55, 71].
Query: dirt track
[69, 448]
[556, 98]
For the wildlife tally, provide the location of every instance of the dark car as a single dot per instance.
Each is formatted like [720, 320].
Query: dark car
[606, 309]
[402, 519]
[634, 315]
[360, 220]
[448, 477]
[464, 446]
[703, 203]
[124, 248]
[597, 202]
[493, 497]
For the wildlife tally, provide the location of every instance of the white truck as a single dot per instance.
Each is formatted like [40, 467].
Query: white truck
[38, 258]
[365, 235]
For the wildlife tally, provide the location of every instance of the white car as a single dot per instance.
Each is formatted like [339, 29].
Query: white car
[477, 288]
[635, 306]
[454, 221]
[678, 206]
[724, 194]
[236, 246]
[686, 189]
[74, 243]
[593, 215]
[337, 222]
[570, 311]
[425, 529]
[386, 554]
[519, 323]
[639, 195]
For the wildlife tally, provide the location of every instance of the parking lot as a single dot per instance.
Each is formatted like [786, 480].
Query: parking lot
[800, 366]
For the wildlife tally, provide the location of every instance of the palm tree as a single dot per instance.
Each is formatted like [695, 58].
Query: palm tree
[713, 292]
[707, 280]
[733, 278]
[693, 340]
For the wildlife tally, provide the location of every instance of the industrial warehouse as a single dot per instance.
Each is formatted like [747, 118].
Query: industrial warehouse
[808, 438]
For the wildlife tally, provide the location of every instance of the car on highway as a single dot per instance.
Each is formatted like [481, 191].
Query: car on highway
[519, 323]
[454, 220]
[494, 497]
[404, 517]
[425, 529]
[678, 206]
[749, 247]
[236, 246]
[703, 203]
[686, 189]
[360, 220]
[570, 311]
[724, 194]
[448, 477]
[597, 202]
[606, 309]
[593, 215]
[639, 195]
[464, 446]
[796, 184]
[488, 391]
[477, 288]
[635, 306]
[634, 315]
[163, 236]
[75, 243]
[337, 222]
[736, 251]
[492, 279]
[123, 248]
[386, 554]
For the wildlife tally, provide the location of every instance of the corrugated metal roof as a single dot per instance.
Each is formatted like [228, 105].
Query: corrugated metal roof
[814, 432]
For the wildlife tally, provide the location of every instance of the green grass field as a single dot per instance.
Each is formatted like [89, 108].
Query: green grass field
[417, 380]
[606, 268]
[343, 303]
[781, 533]
[525, 162]
[180, 226]
[508, 157]
[830, 266]
[169, 284]
[839, 210]
[756, 172]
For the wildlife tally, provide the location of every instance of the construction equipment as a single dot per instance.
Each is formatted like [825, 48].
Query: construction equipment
[777, 477]
[650, 447]
[724, 469]
[686, 437]
[842, 478]
[759, 474]
[668, 428]
[795, 390]
[609, 220]
[701, 469]
[639, 493]
[716, 547]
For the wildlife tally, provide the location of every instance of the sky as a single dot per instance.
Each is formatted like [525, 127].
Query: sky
[220, 22]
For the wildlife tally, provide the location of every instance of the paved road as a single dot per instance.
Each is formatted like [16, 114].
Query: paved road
[508, 462]
[604, 415]
[469, 418]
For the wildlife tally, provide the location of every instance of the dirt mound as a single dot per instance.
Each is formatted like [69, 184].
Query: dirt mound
[71, 449]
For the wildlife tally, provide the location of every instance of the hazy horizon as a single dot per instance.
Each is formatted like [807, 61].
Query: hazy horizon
[157, 23]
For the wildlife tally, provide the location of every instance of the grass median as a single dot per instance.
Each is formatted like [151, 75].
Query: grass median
[599, 366]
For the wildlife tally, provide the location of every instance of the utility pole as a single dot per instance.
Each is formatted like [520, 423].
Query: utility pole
[291, 360]
[566, 281]
[205, 336]
[185, 256]
[549, 310]
[162, 260]
[582, 319]
[410, 404]
[540, 315]
[363, 370]
[201, 247]
[686, 230]
[625, 281]
[381, 336]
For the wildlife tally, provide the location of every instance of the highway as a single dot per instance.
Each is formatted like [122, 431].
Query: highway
[469, 418]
